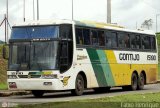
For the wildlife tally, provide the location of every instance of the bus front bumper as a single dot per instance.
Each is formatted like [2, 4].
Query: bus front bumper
[35, 84]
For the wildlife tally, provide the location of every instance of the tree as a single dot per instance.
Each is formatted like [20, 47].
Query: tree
[147, 24]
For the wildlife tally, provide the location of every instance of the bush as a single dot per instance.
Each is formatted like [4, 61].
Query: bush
[3, 67]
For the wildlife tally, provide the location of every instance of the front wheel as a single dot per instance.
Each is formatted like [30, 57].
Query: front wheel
[38, 93]
[79, 86]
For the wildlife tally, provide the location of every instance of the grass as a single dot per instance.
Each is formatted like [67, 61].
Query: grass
[3, 86]
[158, 40]
[109, 102]
[159, 71]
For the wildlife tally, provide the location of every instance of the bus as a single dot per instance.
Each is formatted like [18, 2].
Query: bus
[65, 55]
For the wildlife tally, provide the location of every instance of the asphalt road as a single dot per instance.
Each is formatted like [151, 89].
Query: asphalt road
[66, 96]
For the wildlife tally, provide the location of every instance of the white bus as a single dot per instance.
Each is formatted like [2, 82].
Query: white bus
[64, 55]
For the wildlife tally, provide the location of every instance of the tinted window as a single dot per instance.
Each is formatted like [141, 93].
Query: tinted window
[35, 32]
[146, 44]
[123, 40]
[79, 36]
[94, 37]
[101, 38]
[153, 43]
[127, 40]
[135, 41]
[66, 31]
[86, 36]
[111, 39]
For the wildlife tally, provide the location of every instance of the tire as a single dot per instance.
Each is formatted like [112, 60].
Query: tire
[134, 82]
[38, 93]
[141, 82]
[79, 86]
[102, 89]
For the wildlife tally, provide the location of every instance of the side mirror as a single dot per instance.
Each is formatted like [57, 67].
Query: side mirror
[6, 51]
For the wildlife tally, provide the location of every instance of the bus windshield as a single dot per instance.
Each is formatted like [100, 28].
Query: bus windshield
[33, 56]
[37, 47]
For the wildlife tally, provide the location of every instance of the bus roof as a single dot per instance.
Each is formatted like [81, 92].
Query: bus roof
[92, 24]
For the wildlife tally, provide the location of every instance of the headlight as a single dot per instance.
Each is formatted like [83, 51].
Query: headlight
[50, 76]
[12, 85]
[12, 77]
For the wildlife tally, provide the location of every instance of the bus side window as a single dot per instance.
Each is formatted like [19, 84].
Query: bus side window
[138, 42]
[114, 39]
[108, 39]
[111, 39]
[101, 38]
[79, 36]
[121, 43]
[143, 42]
[127, 40]
[94, 37]
[146, 43]
[135, 41]
[123, 40]
[86, 35]
[153, 43]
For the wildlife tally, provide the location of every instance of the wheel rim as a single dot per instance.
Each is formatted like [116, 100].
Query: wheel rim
[79, 85]
[134, 82]
[141, 80]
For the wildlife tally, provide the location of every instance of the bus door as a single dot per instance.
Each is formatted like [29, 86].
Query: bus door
[65, 47]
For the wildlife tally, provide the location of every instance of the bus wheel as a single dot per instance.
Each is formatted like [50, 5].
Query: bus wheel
[141, 81]
[134, 82]
[38, 93]
[79, 86]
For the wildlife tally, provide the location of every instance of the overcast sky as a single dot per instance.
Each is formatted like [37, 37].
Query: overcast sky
[124, 12]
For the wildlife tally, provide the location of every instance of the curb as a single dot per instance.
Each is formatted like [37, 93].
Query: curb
[12, 93]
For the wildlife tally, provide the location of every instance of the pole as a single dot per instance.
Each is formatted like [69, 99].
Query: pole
[72, 11]
[37, 9]
[6, 25]
[33, 11]
[156, 22]
[24, 4]
[5, 28]
[108, 11]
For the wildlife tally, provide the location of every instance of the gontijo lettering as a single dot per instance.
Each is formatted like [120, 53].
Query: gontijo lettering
[126, 56]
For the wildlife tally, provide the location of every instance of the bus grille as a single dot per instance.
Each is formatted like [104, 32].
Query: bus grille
[29, 76]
